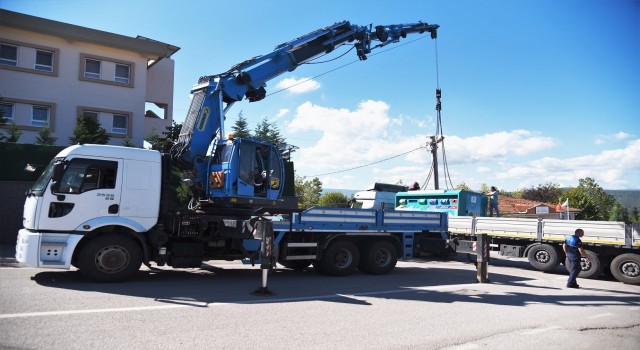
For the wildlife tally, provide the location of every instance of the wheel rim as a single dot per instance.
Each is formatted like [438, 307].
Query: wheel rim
[343, 258]
[542, 256]
[630, 268]
[112, 259]
[381, 257]
[585, 264]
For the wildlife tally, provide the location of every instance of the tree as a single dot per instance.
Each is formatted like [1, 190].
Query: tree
[590, 198]
[45, 137]
[308, 192]
[334, 199]
[462, 187]
[635, 215]
[547, 193]
[164, 143]
[269, 132]
[241, 127]
[89, 130]
[127, 142]
[14, 133]
[619, 213]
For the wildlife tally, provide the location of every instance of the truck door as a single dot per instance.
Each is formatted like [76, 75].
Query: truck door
[87, 189]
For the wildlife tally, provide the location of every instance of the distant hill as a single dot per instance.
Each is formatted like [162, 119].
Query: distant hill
[628, 198]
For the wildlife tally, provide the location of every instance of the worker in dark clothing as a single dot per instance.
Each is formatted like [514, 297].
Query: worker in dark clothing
[574, 251]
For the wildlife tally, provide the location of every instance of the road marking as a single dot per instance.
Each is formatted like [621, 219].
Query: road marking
[90, 311]
[182, 304]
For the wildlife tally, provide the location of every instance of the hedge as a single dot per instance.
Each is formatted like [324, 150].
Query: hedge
[16, 156]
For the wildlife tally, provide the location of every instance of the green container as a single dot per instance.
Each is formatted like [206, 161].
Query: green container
[454, 202]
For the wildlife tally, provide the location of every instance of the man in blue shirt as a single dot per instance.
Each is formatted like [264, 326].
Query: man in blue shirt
[574, 251]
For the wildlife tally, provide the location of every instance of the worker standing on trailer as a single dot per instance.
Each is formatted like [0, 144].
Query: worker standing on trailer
[574, 251]
[493, 201]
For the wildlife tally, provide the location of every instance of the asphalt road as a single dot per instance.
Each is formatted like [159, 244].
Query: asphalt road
[420, 305]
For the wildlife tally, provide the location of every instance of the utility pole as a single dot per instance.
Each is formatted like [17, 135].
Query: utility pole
[433, 145]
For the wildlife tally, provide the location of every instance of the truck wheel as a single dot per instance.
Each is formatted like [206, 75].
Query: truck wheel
[378, 257]
[543, 257]
[341, 258]
[110, 258]
[297, 265]
[626, 268]
[591, 268]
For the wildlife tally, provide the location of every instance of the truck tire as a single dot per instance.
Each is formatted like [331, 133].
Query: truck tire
[341, 258]
[543, 257]
[378, 257]
[110, 258]
[626, 268]
[591, 268]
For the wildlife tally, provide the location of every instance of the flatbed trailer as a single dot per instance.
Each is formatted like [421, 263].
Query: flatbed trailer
[612, 247]
[337, 241]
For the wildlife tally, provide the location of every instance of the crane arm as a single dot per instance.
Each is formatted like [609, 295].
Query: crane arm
[215, 94]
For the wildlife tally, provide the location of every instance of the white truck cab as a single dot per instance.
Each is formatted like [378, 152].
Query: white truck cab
[86, 188]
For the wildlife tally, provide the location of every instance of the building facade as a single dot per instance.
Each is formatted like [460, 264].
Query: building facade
[52, 72]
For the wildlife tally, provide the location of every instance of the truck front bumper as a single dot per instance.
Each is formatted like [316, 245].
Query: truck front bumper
[46, 249]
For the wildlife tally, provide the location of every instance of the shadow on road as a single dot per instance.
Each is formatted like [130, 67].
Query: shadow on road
[437, 283]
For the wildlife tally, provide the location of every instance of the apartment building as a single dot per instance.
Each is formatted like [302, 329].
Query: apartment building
[51, 72]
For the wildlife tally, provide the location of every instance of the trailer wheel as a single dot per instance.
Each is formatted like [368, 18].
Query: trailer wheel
[626, 268]
[543, 257]
[378, 257]
[110, 258]
[591, 268]
[341, 258]
[297, 265]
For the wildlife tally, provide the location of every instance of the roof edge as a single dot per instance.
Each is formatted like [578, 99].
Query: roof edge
[154, 48]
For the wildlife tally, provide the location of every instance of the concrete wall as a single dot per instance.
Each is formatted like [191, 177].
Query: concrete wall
[11, 209]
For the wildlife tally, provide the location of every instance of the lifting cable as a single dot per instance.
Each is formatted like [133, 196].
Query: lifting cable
[439, 137]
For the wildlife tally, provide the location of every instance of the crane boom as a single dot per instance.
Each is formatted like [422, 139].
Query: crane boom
[213, 96]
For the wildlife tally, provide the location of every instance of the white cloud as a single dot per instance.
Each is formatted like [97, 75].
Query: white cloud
[619, 136]
[370, 142]
[496, 146]
[298, 86]
[622, 136]
[612, 169]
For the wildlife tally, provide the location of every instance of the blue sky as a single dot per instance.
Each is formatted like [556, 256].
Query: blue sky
[532, 91]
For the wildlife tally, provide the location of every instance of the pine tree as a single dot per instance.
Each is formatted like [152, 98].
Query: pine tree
[241, 127]
[14, 133]
[269, 132]
[45, 137]
[127, 142]
[164, 143]
[89, 130]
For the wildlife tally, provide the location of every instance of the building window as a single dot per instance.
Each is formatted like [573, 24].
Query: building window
[7, 112]
[122, 73]
[92, 69]
[91, 114]
[40, 116]
[44, 60]
[8, 55]
[119, 124]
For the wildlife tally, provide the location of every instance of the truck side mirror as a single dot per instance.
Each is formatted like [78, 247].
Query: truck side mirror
[58, 171]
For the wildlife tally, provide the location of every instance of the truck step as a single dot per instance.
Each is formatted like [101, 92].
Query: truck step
[301, 257]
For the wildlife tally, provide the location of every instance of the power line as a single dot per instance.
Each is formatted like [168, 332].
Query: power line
[366, 165]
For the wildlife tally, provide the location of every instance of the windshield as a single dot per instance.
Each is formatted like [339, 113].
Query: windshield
[41, 184]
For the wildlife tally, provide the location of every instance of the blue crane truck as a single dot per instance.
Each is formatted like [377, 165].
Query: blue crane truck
[104, 209]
